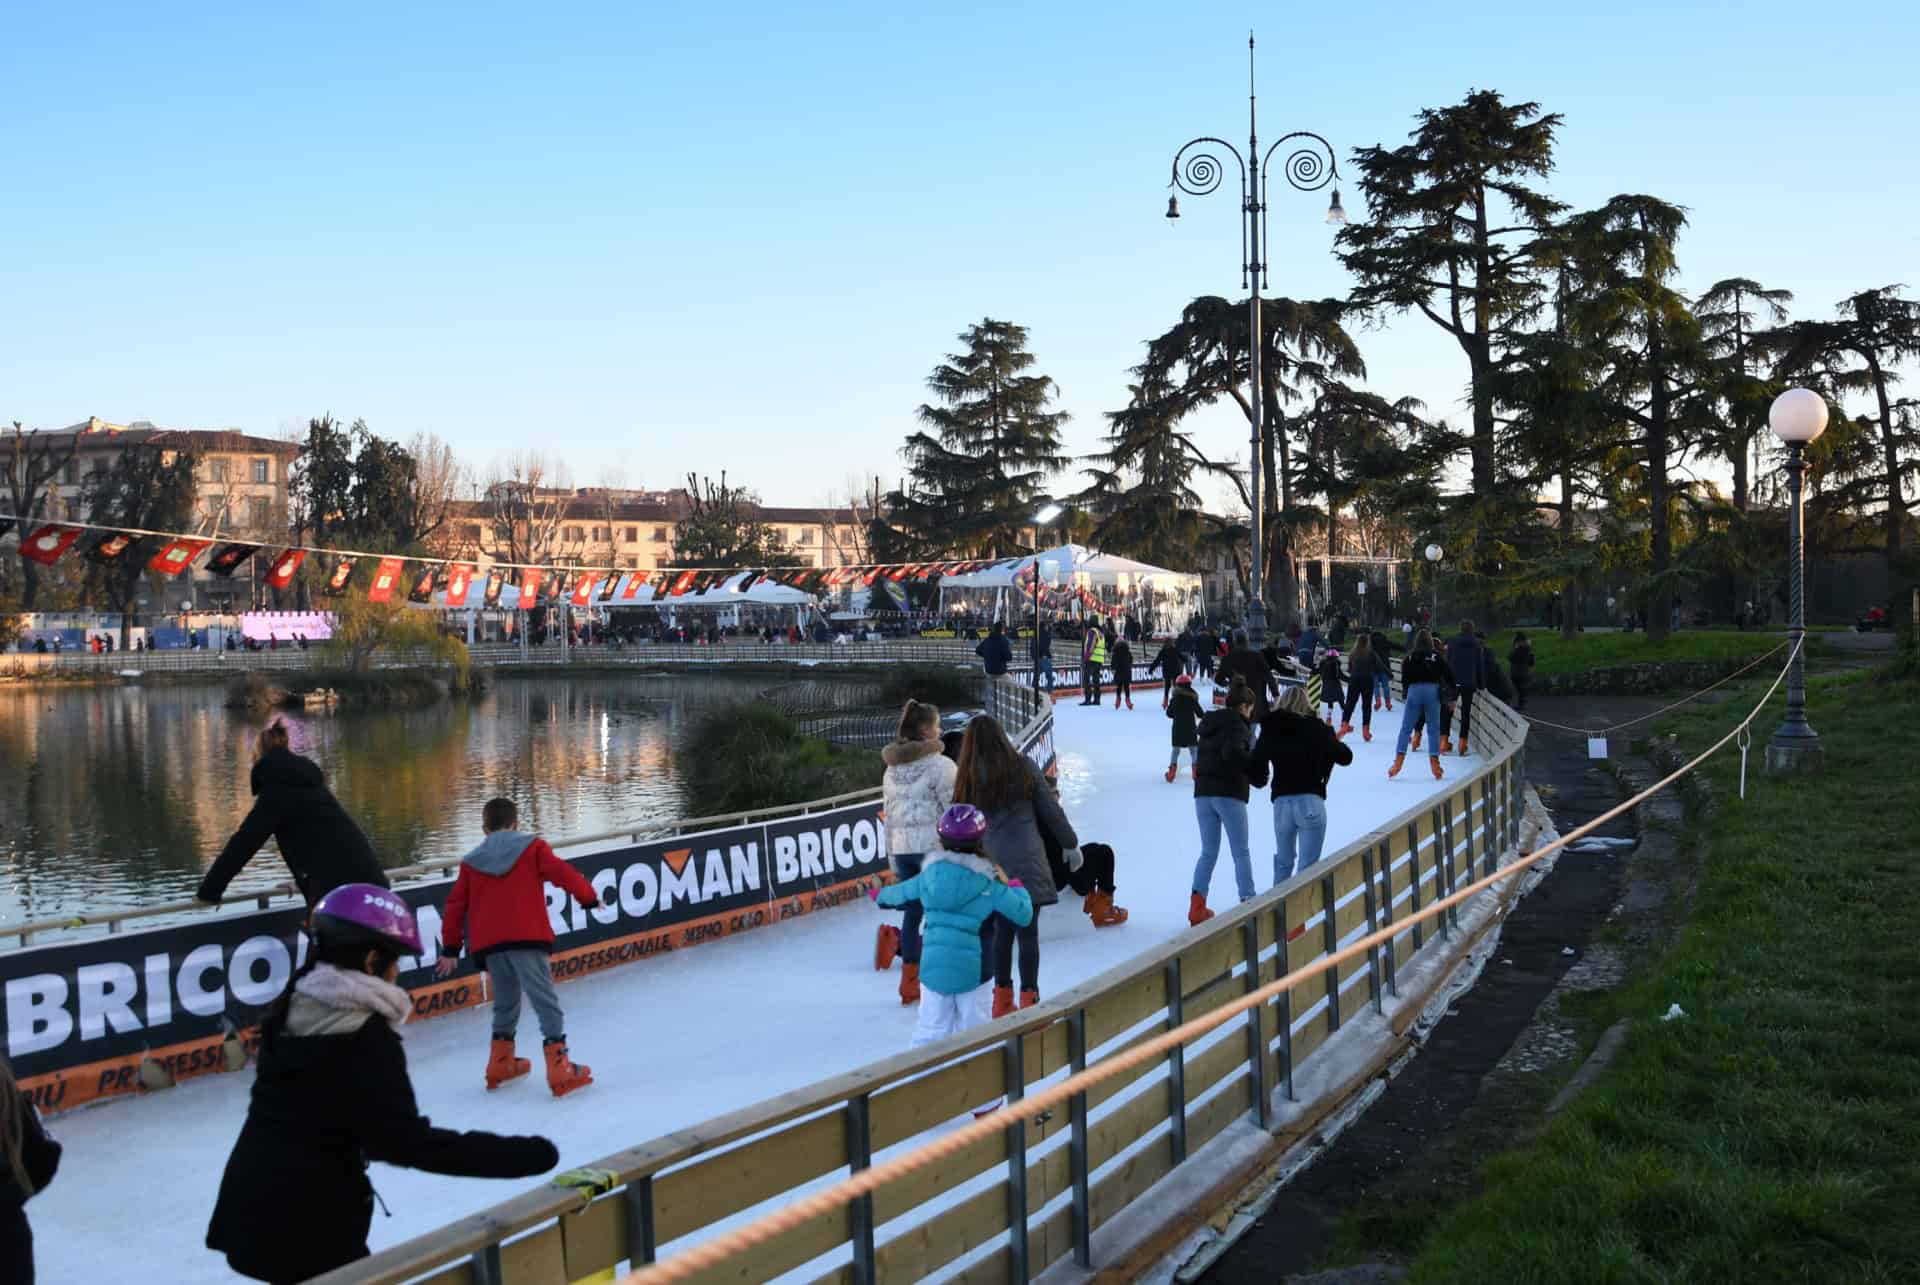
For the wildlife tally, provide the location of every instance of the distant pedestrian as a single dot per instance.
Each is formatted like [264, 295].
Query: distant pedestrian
[1042, 652]
[995, 652]
[1520, 664]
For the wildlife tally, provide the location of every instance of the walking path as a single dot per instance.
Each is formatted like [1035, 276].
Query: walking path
[683, 1036]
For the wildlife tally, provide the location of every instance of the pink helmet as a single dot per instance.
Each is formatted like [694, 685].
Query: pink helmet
[364, 914]
[963, 823]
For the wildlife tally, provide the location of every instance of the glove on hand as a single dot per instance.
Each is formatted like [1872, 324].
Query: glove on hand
[1073, 858]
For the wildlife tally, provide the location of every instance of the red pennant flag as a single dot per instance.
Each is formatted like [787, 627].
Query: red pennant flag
[385, 576]
[422, 590]
[338, 578]
[583, 589]
[177, 556]
[227, 558]
[109, 546]
[682, 581]
[634, 580]
[496, 578]
[529, 587]
[46, 545]
[867, 578]
[459, 576]
[283, 568]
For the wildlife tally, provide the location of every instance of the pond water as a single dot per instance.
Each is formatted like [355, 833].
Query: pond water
[117, 797]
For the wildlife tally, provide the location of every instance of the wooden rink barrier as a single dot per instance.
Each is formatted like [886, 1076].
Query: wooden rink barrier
[1271, 981]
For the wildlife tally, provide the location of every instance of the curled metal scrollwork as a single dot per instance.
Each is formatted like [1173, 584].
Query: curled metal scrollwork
[1310, 166]
[1201, 172]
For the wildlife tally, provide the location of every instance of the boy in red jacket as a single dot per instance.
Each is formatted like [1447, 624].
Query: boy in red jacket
[499, 905]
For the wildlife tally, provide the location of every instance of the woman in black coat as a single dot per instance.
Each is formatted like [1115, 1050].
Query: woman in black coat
[28, 1161]
[293, 806]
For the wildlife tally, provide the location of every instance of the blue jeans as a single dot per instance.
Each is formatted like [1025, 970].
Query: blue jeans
[1383, 685]
[905, 866]
[1212, 814]
[1046, 667]
[1423, 700]
[1299, 832]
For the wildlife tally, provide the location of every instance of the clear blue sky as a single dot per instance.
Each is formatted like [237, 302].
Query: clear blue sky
[660, 238]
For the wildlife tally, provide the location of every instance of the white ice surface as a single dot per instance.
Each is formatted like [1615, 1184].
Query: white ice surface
[679, 1037]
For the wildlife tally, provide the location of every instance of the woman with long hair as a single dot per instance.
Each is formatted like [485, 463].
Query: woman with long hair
[916, 790]
[1225, 773]
[1420, 677]
[1362, 665]
[28, 1161]
[1299, 752]
[1004, 783]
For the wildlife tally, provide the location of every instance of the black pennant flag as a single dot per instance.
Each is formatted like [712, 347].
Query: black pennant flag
[339, 578]
[110, 546]
[422, 590]
[228, 558]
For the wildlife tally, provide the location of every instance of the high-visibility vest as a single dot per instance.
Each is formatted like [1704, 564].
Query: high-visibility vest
[1099, 649]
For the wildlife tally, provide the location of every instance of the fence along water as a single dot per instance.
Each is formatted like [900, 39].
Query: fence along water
[1073, 1166]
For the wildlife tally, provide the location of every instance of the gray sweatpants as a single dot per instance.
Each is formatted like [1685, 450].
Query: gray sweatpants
[512, 972]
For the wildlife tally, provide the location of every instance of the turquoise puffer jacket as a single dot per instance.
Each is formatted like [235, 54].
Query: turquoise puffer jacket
[958, 893]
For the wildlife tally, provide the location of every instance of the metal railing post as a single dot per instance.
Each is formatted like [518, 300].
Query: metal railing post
[1016, 1076]
[1413, 882]
[1373, 921]
[1176, 1066]
[1077, 1144]
[1285, 1018]
[860, 1212]
[1256, 1038]
[642, 1247]
[486, 1266]
[1330, 941]
[1443, 864]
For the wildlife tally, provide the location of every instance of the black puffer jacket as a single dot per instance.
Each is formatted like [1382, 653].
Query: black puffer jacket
[320, 842]
[295, 1200]
[1254, 671]
[1423, 667]
[41, 1157]
[1226, 767]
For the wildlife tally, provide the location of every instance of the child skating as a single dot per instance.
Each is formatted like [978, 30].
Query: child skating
[331, 1094]
[959, 888]
[1184, 709]
[498, 908]
[1332, 689]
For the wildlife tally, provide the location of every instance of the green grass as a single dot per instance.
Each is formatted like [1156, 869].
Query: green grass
[1773, 1134]
[1607, 651]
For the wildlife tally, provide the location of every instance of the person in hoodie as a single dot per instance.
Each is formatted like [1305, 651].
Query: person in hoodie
[332, 1094]
[1222, 778]
[498, 909]
[1299, 752]
[1332, 689]
[959, 888]
[292, 805]
[916, 790]
[1184, 709]
[1467, 658]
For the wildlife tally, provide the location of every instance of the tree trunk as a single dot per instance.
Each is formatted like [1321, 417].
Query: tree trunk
[1570, 589]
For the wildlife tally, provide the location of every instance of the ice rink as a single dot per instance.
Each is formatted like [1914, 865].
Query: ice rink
[682, 1036]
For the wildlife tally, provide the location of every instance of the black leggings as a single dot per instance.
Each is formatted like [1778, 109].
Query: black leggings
[1358, 693]
[1166, 685]
[1004, 937]
[1122, 683]
[1096, 870]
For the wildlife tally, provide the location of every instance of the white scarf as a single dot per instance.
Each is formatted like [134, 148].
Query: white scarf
[339, 988]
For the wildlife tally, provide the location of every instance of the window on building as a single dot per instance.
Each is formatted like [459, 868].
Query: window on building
[660, 535]
[263, 470]
[806, 535]
[70, 472]
[259, 509]
[631, 564]
[100, 465]
[576, 535]
[599, 535]
[471, 531]
[219, 470]
[631, 536]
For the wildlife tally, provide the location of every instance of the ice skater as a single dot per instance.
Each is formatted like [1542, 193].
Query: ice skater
[959, 888]
[1184, 709]
[1420, 677]
[915, 790]
[498, 907]
[332, 1093]
[1363, 672]
[1223, 776]
[1122, 671]
[1171, 666]
[1332, 691]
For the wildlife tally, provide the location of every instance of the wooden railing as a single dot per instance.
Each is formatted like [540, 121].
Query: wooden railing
[1033, 1194]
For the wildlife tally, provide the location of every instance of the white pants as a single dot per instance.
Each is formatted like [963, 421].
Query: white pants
[944, 1015]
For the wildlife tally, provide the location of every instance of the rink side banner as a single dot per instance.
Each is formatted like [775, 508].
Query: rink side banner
[81, 1017]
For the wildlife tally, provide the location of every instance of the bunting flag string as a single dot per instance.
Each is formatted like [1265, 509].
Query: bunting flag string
[538, 584]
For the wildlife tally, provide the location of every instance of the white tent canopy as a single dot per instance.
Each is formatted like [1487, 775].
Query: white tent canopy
[1166, 598]
[731, 592]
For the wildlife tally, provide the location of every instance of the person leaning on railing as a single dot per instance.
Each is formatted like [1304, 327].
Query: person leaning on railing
[292, 805]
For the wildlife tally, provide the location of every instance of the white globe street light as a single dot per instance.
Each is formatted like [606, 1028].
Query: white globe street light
[1434, 554]
[1797, 417]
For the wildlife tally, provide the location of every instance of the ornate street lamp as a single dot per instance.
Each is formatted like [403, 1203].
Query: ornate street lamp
[1434, 554]
[1041, 520]
[1797, 416]
[1309, 167]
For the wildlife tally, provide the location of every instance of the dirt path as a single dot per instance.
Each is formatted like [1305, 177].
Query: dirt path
[1443, 1113]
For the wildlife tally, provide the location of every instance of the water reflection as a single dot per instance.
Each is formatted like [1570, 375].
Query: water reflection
[114, 797]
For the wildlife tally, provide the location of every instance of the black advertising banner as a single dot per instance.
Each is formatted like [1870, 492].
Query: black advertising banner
[80, 1016]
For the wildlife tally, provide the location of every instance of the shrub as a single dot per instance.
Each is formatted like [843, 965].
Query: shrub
[949, 687]
[741, 757]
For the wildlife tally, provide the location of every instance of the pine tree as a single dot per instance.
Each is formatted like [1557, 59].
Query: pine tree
[980, 468]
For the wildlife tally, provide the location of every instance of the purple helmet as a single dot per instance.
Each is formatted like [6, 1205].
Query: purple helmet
[364, 914]
[963, 823]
